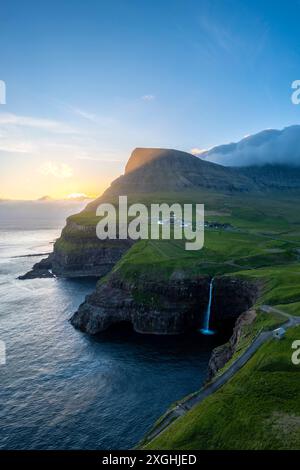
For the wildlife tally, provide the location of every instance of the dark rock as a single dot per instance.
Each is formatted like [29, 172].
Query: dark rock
[171, 307]
[231, 297]
[36, 273]
[162, 307]
[222, 354]
[42, 269]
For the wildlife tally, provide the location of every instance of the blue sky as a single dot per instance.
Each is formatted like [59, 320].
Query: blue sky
[89, 81]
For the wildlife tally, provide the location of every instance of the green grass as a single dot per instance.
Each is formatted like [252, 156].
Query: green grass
[259, 408]
[290, 308]
[281, 283]
[263, 322]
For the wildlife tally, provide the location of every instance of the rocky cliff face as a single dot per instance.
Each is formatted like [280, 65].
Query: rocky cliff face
[157, 308]
[231, 297]
[222, 354]
[232, 302]
[171, 307]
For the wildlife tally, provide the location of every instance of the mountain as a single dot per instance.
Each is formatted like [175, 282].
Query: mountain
[273, 177]
[165, 175]
[251, 252]
[166, 170]
[151, 170]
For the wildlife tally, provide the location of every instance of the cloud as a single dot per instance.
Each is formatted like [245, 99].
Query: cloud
[77, 196]
[16, 147]
[196, 151]
[148, 97]
[58, 170]
[10, 119]
[267, 147]
[100, 120]
[82, 113]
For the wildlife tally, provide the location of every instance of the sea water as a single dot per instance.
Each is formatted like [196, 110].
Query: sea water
[63, 389]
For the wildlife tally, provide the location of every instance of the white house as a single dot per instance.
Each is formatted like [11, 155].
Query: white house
[279, 333]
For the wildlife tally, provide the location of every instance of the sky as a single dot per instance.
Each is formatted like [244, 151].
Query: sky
[88, 81]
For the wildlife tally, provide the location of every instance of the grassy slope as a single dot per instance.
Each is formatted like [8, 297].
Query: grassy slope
[259, 408]
[260, 246]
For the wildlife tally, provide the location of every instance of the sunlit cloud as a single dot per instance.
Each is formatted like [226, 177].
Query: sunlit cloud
[77, 196]
[197, 151]
[58, 170]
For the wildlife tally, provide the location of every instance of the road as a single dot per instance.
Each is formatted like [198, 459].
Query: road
[198, 397]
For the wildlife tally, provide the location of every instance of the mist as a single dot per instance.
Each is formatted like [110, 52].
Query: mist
[33, 215]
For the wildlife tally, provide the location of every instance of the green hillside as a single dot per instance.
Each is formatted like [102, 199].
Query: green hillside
[259, 408]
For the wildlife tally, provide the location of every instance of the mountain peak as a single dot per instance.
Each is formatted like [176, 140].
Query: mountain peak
[142, 156]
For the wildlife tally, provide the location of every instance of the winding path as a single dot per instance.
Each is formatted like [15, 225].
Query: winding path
[184, 406]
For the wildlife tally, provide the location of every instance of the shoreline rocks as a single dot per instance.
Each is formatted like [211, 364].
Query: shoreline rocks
[42, 269]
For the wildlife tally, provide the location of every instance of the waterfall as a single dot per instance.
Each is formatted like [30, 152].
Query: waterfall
[205, 329]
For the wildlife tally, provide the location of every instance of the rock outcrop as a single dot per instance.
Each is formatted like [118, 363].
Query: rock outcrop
[42, 269]
[222, 354]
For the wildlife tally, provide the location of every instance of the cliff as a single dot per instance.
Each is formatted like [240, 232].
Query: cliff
[222, 354]
[174, 306]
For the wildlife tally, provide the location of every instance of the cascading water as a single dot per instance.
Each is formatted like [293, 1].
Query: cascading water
[205, 329]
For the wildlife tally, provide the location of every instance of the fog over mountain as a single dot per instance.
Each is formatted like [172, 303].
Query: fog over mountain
[267, 147]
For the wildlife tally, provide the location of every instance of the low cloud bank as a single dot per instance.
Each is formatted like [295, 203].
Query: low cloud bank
[267, 147]
[33, 215]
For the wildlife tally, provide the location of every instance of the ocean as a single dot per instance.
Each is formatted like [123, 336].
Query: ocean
[61, 388]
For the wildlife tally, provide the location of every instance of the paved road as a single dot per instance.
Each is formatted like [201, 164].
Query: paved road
[292, 319]
[198, 397]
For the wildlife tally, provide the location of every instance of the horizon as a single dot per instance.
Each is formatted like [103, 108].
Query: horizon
[149, 230]
[118, 76]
